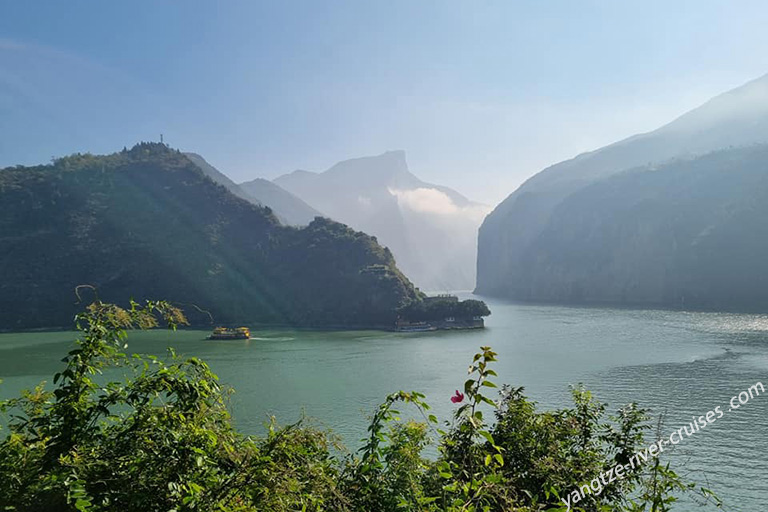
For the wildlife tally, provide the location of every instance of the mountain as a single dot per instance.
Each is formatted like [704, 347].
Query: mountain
[431, 229]
[580, 208]
[148, 223]
[692, 232]
[289, 209]
[220, 178]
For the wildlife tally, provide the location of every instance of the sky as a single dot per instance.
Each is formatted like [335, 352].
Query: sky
[481, 95]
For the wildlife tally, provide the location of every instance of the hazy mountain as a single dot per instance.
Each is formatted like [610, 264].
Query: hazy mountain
[692, 232]
[147, 223]
[289, 209]
[431, 229]
[516, 240]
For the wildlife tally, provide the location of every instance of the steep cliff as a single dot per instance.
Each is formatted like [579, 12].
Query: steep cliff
[518, 240]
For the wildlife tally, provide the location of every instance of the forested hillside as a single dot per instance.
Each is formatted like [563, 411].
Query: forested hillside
[595, 229]
[146, 222]
[690, 233]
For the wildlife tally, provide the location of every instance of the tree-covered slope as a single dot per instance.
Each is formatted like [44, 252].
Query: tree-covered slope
[690, 233]
[288, 208]
[148, 223]
[220, 178]
[507, 237]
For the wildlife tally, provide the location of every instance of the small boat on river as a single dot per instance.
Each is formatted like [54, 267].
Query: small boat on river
[226, 333]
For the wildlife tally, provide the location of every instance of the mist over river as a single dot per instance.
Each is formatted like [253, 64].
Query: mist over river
[681, 363]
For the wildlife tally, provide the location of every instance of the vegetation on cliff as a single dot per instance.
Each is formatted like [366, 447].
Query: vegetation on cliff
[690, 233]
[148, 221]
[440, 308]
[288, 208]
[652, 220]
[161, 439]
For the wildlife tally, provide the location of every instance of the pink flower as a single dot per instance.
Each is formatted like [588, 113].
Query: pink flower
[458, 397]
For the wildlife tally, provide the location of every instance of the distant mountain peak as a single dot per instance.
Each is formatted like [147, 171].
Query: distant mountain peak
[389, 163]
[395, 154]
[431, 229]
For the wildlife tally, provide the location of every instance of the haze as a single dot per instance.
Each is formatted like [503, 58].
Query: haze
[480, 96]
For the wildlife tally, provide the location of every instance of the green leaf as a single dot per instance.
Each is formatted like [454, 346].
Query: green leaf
[82, 505]
[488, 437]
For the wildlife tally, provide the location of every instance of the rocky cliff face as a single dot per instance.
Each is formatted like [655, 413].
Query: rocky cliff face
[542, 241]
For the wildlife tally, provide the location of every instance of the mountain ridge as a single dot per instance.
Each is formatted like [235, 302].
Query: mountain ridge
[289, 209]
[508, 236]
[148, 223]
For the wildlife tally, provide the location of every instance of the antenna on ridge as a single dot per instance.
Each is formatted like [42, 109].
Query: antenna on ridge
[161, 139]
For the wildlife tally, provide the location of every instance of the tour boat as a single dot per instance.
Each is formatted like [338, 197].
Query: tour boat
[225, 333]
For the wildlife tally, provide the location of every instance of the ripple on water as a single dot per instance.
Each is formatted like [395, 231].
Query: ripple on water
[732, 452]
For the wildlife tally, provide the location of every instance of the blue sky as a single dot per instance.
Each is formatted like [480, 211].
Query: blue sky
[481, 94]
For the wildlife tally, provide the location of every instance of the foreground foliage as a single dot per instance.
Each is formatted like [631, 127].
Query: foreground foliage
[161, 439]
